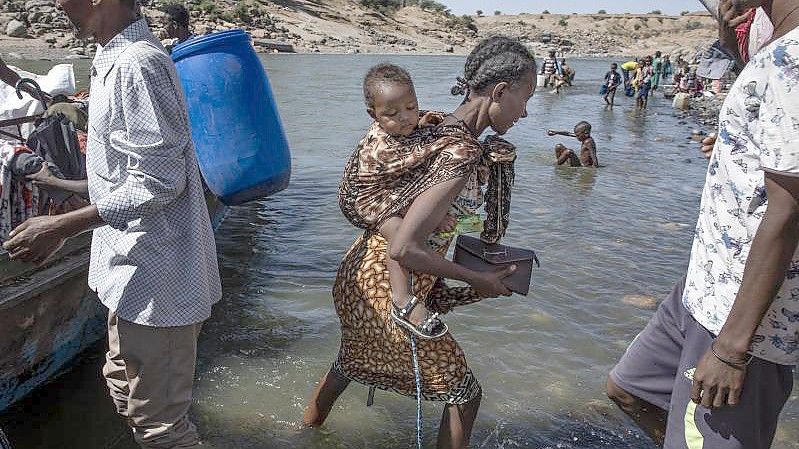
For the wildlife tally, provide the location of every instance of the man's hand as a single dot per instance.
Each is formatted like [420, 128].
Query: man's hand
[716, 383]
[43, 178]
[734, 12]
[708, 143]
[36, 239]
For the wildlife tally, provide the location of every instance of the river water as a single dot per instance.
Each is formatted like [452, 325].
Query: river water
[602, 236]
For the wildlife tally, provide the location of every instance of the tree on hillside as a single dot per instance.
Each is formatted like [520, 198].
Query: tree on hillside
[656, 12]
[602, 11]
[497, 13]
[479, 13]
[546, 11]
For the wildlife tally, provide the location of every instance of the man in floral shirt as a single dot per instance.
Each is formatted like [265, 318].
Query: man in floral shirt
[714, 366]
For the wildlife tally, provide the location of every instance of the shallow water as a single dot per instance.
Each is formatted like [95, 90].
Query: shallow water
[623, 230]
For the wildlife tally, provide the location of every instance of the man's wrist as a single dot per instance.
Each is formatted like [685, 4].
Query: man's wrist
[734, 348]
[78, 221]
[65, 225]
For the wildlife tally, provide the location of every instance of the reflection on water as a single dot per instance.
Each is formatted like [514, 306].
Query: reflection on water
[581, 179]
[602, 235]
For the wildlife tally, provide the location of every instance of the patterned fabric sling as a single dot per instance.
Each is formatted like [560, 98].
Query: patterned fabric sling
[384, 175]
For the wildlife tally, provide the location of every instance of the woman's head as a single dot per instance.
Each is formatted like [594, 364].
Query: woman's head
[502, 71]
[391, 99]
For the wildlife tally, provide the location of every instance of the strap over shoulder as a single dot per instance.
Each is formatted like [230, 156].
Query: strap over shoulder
[499, 157]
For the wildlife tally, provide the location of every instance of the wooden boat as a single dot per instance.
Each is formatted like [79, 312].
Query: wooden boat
[48, 315]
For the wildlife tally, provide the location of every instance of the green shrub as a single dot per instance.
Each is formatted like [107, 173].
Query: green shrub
[463, 21]
[602, 11]
[242, 12]
[563, 23]
[656, 12]
[382, 6]
[207, 6]
[693, 25]
[429, 5]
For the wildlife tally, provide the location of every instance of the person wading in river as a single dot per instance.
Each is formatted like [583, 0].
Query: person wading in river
[153, 257]
[499, 79]
[713, 368]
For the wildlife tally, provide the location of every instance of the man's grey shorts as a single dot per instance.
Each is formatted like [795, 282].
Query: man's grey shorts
[658, 368]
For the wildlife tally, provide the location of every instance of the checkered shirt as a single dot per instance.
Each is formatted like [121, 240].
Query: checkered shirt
[155, 261]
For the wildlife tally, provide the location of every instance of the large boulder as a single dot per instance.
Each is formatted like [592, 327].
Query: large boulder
[15, 28]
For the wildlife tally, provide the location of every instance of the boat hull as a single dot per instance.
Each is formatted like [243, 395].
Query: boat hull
[48, 316]
[43, 331]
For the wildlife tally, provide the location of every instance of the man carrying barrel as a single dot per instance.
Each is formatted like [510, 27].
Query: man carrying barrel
[153, 257]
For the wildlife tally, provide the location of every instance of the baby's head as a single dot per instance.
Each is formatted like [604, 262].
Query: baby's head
[582, 130]
[391, 99]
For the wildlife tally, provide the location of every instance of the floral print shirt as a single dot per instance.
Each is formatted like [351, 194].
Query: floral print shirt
[758, 132]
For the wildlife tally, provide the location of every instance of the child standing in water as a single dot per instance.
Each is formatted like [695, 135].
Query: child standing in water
[612, 82]
[643, 82]
[588, 156]
[391, 101]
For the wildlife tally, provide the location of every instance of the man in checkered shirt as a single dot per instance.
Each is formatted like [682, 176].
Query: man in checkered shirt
[153, 257]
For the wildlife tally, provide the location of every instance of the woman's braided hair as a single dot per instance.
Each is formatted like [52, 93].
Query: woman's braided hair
[494, 60]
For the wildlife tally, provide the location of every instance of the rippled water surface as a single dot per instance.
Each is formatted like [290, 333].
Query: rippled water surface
[602, 235]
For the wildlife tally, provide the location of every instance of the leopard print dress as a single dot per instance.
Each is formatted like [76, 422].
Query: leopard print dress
[374, 350]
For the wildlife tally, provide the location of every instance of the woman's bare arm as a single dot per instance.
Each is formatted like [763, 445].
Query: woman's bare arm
[410, 249]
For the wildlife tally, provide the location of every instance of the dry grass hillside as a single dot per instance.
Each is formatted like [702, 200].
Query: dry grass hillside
[346, 26]
[605, 34]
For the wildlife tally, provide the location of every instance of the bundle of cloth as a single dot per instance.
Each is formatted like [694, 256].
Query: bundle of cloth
[59, 80]
[19, 198]
[384, 175]
[59, 141]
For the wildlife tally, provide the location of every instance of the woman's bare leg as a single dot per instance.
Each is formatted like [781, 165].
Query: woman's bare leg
[329, 389]
[456, 424]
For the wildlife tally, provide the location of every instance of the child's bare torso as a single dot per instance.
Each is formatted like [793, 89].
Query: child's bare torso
[587, 151]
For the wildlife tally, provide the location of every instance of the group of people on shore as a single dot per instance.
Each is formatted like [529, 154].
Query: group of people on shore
[712, 368]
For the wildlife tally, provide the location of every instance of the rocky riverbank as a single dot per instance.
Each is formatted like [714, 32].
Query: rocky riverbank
[36, 29]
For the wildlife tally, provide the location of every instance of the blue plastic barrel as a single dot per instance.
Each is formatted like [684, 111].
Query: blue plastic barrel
[241, 146]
